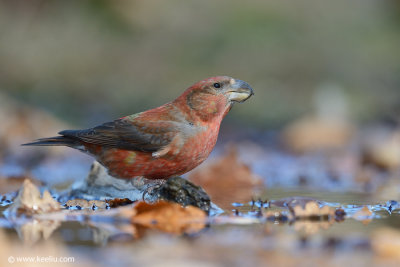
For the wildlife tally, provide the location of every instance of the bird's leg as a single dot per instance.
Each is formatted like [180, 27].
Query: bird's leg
[152, 185]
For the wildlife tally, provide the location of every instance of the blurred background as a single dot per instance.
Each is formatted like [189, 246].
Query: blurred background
[87, 62]
[324, 123]
[326, 76]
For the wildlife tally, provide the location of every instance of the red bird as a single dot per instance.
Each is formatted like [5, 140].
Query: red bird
[162, 142]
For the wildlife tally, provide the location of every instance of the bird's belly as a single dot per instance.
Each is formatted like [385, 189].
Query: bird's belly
[129, 164]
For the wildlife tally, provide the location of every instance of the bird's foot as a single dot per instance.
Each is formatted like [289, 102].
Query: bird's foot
[152, 185]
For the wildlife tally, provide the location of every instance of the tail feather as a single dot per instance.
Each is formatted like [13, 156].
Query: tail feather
[55, 141]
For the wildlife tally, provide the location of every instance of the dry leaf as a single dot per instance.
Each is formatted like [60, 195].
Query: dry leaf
[364, 215]
[291, 202]
[382, 149]
[227, 180]
[117, 202]
[390, 189]
[169, 217]
[85, 204]
[29, 201]
[312, 209]
[385, 243]
[313, 133]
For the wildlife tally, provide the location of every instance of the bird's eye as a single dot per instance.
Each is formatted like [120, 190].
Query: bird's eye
[217, 85]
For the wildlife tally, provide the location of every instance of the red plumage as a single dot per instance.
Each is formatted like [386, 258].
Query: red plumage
[163, 142]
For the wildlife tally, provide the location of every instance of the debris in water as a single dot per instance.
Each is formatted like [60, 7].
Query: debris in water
[169, 217]
[29, 201]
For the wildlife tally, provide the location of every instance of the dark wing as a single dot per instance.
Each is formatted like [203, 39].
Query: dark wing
[128, 135]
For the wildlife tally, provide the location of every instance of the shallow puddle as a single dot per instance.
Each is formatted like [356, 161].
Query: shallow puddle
[252, 232]
[94, 230]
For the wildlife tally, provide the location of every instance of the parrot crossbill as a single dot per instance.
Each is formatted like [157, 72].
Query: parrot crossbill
[162, 142]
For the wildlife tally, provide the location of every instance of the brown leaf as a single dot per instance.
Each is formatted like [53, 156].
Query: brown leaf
[169, 217]
[85, 204]
[312, 209]
[29, 201]
[382, 149]
[312, 133]
[364, 215]
[112, 203]
[227, 180]
[117, 202]
[385, 243]
[291, 202]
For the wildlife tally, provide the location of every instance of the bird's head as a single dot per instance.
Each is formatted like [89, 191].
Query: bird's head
[214, 97]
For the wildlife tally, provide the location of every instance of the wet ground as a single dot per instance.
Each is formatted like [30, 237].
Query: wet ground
[277, 208]
[78, 232]
[246, 233]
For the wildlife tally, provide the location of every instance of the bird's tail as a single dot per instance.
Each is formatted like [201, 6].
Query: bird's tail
[55, 141]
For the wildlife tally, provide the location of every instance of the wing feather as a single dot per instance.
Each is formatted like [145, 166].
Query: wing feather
[128, 135]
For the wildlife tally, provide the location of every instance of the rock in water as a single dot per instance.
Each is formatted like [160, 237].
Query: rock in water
[185, 193]
[100, 185]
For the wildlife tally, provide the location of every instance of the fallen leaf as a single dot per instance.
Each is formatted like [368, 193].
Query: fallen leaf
[117, 202]
[313, 133]
[227, 180]
[304, 207]
[291, 202]
[169, 217]
[85, 204]
[382, 149]
[385, 243]
[364, 215]
[390, 189]
[29, 201]
[312, 209]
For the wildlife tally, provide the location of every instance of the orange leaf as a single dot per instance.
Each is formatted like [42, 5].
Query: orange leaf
[364, 215]
[169, 217]
[227, 180]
